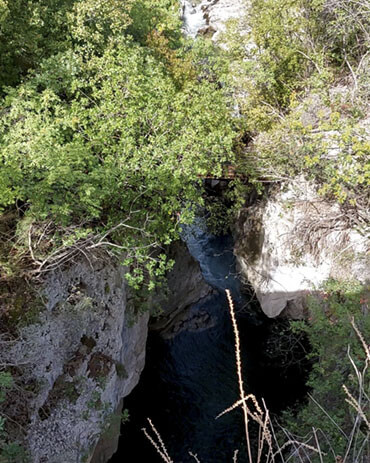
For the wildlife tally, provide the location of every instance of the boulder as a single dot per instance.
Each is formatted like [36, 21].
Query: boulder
[185, 286]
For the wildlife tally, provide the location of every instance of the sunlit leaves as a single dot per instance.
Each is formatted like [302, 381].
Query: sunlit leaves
[115, 139]
[94, 23]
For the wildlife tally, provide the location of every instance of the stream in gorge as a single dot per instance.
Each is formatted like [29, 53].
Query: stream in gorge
[189, 379]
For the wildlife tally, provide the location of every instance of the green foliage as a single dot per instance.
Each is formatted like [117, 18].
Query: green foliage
[272, 54]
[160, 16]
[121, 370]
[125, 416]
[110, 120]
[30, 31]
[13, 453]
[10, 452]
[181, 68]
[94, 24]
[281, 50]
[275, 26]
[221, 208]
[340, 27]
[331, 335]
[286, 66]
[333, 152]
[113, 140]
[6, 383]
[109, 136]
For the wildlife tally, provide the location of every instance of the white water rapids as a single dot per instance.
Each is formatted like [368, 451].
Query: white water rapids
[193, 16]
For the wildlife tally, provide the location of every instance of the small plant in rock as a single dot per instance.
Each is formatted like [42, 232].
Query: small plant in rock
[95, 402]
[121, 370]
[10, 451]
[13, 453]
[125, 416]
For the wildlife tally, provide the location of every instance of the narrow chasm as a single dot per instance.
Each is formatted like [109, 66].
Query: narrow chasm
[191, 377]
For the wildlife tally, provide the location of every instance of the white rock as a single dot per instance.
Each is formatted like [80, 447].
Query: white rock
[292, 243]
[214, 13]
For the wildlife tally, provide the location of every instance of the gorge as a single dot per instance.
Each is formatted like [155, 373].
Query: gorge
[190, 375]
[153, 154]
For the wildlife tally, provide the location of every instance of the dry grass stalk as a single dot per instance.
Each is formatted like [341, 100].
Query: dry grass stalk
[240, 402]
[195, 456]
[264, 435]
[262, 418]
[317, 444]
[159, 445]
[362, 340]
[354, 403]
[239, 372]
[297, 444]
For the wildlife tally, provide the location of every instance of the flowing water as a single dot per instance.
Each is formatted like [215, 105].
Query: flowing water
[193, 16]
[190, 379]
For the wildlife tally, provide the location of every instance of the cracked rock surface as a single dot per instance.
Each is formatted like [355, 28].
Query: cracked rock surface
[84, 354]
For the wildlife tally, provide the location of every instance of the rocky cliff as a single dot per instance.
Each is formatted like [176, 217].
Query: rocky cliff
[289, 244]
[81, 349]
[185, 287]
[75, 362]
[298, 236]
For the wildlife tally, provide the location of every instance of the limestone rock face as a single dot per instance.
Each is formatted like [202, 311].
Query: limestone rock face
[186, 286]
[84, 354]
[291, 243]
[220, 12]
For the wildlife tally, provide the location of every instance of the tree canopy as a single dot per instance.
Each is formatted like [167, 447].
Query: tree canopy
[112, 132]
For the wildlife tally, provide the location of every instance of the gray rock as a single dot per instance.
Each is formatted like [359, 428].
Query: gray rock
[186, 286]
[207, 31]
[85, 353]
[290, 244]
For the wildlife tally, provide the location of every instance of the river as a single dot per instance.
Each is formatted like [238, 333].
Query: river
[190, 379]
[193, 16]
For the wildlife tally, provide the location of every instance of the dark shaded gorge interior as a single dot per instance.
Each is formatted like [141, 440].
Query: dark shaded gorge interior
[190, 379]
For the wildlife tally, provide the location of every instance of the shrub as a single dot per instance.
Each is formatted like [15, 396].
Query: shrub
[339, 358]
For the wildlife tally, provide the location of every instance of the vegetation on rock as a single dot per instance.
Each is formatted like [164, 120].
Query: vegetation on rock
[105, 142]
[303, 79]
[110, 119]
[340, 370]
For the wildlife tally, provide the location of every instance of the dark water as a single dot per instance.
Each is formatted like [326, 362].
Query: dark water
[190, 379]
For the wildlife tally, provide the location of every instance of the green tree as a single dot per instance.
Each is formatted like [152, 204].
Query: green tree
[29, 32]
[112, 140]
